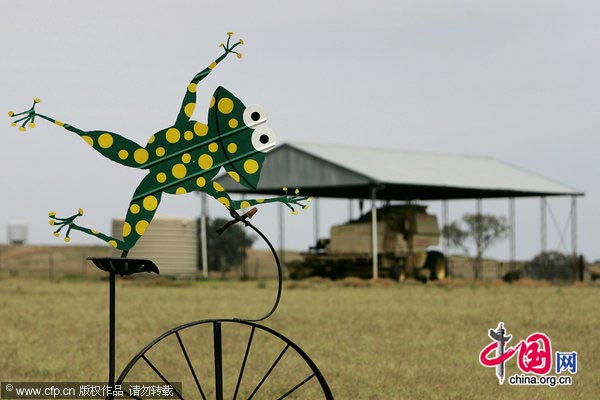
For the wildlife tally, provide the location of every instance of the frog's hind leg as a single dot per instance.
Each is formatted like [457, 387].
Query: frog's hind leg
[110, 145]
[69, 224]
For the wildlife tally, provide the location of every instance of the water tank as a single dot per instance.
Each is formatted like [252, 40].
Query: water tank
[170, 242]
[17, 233]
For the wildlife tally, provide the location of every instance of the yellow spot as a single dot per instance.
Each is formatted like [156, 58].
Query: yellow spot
[113, 243]
[308, 200]
[218, 187]
[11, 113]
[161, 177]
[305, 207]
[13, 124]
[200, 129]
[32, 124]
[233, 123]
[95, 232]
[126, 229]
[80, 211]
[297, 191]
[241, 41]
[205, 161]
[134, 208]
[192, 87]
[51, 222]
[250, 166]
[105, 140]
[234, 175]
[285, 189]
[188, 135]
[57, 122]
[232, 148]
[88, 140]
[67, 239]
[224, 201]
[239, 55]
[36, 100]
[179, 171]
[22, 128]
[140, 156]
[141, 227]
[56, 234]
[295, 212]
[230, 34]
[260, 200]
[123, 154]
[180, 190]
[201, 182]
[212, 102]
[150, 203]
[186, 158]
[152, 139]
[172, 135]
[160, 151]
[245, 204]
[213, 147]
[52, 213]
[225, 105]
[212, 65]
[189, 109]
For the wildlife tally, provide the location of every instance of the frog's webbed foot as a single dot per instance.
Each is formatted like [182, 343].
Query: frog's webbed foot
[295, 200]
[229, 48]
[62, 222]
[26, 117]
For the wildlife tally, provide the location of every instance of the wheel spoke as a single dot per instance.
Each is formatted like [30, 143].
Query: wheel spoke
[269, 371]
[237, 387]
[189, 363]
[162, 377]
[297, 386]
[218, 360]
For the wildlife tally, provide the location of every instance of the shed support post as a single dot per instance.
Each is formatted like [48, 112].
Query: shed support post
[543, 224]
[282, 236]
[317, 220]
[203, 246]
[574, 225]
[445, 244]
[512, 232]
[374, 232]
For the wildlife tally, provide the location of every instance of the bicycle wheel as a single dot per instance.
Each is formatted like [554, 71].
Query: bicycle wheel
[226, 358]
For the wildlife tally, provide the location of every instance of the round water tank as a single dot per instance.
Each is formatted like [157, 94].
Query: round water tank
[17, 232]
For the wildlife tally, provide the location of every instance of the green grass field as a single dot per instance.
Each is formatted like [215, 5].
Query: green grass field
[378, 341]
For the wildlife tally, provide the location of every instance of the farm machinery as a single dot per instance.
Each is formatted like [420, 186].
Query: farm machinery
[405, 235]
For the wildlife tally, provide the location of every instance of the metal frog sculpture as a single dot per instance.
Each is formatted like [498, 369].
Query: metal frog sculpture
[184, 157]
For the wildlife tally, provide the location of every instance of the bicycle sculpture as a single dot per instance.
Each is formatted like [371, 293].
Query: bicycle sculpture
[182, 158]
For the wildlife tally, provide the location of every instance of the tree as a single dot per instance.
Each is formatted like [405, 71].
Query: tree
[229, 249]
[482, 229]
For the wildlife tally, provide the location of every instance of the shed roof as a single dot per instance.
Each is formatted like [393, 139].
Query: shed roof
[325, 170]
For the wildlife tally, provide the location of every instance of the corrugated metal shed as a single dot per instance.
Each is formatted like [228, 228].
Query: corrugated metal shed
[170, 242]
[350, 172]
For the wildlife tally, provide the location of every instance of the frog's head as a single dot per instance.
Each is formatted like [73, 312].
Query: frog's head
[243, 137]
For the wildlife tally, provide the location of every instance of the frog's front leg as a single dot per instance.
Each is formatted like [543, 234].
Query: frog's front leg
[189, 100]
[111, 145]
[70, 224]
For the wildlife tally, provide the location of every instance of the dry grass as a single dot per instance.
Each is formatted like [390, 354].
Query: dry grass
[371, 340]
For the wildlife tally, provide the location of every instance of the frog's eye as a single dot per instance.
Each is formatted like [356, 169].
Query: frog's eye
[254, 115]
[263, 139]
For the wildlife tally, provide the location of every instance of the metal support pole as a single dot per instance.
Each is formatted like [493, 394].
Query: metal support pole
[543, 224]
[445, 244]
[111, 332]
[574, 224]
[478, 206]
[317, 221]
[350, 210]
[203, 246]
[374, 254]
[512, 232]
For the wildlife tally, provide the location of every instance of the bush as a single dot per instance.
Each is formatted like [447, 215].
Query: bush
[553, 265]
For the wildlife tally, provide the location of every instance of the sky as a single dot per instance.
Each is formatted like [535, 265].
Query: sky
[513, 80]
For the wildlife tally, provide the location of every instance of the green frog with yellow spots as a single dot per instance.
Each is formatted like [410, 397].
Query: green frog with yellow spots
[184, 157]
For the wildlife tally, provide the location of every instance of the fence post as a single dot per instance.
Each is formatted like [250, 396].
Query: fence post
[581, 267]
